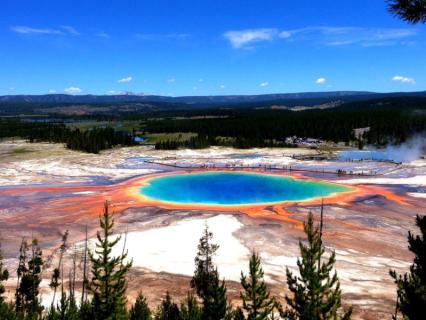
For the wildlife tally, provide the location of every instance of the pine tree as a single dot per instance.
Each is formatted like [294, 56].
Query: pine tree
[52, 314]
[85, 312]
[20, 272]
[216, 305]
[411, 287]
[316, 293]
[256, 301]
[108, 285]
[206, 281]
[4, 275]
[167, 310]
[6, 310]
[204, 267]
[54, 283]
[66, 309]
[140, 310]
[85, 281]
[29, 276]
[190, 309]
[238, 314]
[63, 305]
[413, 11]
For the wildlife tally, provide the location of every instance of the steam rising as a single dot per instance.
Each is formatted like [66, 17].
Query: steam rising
[409, 151]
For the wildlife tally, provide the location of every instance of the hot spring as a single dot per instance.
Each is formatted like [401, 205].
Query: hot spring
[235, 188]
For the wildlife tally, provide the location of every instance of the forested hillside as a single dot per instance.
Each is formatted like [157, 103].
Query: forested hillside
[391, 120]
[92, 140]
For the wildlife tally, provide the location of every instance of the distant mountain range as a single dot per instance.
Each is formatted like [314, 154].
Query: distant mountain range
[322, 97]
[85, 105]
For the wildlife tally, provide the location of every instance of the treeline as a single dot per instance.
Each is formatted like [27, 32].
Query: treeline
[314, 293]
[197, 142]
[390, 121]
[91, 140]
[201, 141]
[97, 139]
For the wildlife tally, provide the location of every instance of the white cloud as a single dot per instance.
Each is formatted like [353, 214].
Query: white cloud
[102, 35]
[73, 90]
[285, 34]
[52, 91]
[125, 80]
[71, 30]
[222, 86]
[369, 37]
[171, 80]
[178, 35]
[328, 36]
[344, 36]
[121, 93]
[63, 30]
[153, 36]
[240, 39]
[29, 30]
[264, 84]
[321, 81]
[201, 80]
[404, 79]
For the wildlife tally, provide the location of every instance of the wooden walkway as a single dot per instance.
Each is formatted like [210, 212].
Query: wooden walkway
[267, 168]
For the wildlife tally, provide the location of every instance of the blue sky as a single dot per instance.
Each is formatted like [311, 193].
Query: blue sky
[187, 47]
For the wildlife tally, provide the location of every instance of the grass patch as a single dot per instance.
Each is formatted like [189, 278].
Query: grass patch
[160, 137]
[19, 151]
[14, 154]
[117, 125]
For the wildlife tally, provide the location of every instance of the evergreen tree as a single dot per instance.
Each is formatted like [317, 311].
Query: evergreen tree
[72, 311]
[206, 281]
[411, 287]
[29, 276]
[63, 305]
[66, 309]
[256, 301]
[238, 314]
[108, 285]
[216, 305]
[4, 275]
[316, 293]
[140, 310]
[20, 272]
[413, 11]
[54, 283]
[190, 309]
[6, 310]
[52, 314]
[167, 310]
[85, 312]
[204, 267]
[85, 280]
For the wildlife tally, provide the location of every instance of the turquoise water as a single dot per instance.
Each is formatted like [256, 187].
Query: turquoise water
[234, 188]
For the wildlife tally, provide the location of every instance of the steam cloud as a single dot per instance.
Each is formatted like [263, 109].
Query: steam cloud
[410, 150]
